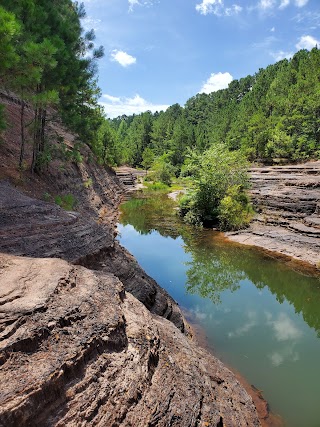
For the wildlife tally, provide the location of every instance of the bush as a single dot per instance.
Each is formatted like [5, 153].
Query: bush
[219, 175]
[235, 211]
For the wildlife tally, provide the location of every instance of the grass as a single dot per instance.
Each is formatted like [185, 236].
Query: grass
[157, 186]
[66, 202]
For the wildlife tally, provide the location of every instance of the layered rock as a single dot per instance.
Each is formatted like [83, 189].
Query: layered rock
[77, 350]
[287, 201]
[30, 227]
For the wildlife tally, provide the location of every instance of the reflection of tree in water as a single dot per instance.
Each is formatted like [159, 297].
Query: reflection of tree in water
[217, 265]
[151, 213]
[209, 273]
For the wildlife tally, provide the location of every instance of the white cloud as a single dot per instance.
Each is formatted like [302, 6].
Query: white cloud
[284, 328]
[218, 8]
[287, 353]
[309, 19]
[123, 58]
[233, 10]
[307, 42]
[117, 106]
[133, 3]
[280, 54]
[281, 4]
[272, 30]
[111, 98]
[89, 23]
[209, 6]
[301, 3]
[216, 82]
[249, 324]
[284, 4]
[267, 4]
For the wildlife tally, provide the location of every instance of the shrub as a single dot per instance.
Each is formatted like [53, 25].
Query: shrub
[235, 211]
[157, 186]
[219, 175]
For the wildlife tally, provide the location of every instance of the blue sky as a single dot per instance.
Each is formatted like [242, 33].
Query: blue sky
[159, 52]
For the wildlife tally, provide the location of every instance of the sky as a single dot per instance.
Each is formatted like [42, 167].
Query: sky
[162, 52]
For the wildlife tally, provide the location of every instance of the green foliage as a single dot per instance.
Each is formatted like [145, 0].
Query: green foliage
[163, 170]
[88, 183]
[220, 175]
[44, 157]
[235, 211]
[272, 114]
[157, 186]
[9, 32]
[47, 59]
[66, 201]
[147, 158]
[105, 146]
[165, 174]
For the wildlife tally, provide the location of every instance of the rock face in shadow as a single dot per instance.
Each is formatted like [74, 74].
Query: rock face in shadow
[77, 350]
[287, 200]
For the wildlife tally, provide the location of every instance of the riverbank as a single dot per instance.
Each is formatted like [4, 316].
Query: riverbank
[287, 202]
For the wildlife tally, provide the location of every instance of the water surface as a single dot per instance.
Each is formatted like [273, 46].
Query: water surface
[260, 316]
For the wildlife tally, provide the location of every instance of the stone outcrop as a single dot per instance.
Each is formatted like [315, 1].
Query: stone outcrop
[30, 227]
[77, 350]
[287, 201]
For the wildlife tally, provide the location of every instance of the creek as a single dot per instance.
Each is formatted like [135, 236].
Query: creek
[259, 315]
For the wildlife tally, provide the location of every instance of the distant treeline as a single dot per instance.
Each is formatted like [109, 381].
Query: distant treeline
[272, 114]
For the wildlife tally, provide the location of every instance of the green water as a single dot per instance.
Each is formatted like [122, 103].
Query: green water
[260, 316]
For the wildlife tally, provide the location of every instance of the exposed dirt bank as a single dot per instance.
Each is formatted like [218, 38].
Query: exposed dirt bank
[287, 199]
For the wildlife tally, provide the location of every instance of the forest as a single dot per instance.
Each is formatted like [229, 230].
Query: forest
[274, 114]
[50, 61]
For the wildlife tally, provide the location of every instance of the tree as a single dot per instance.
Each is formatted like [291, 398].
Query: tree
[147, 158]
[106, 144]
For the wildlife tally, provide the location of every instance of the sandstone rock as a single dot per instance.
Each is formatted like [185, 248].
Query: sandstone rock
[31, 227]
[287, 200]
[77, 350]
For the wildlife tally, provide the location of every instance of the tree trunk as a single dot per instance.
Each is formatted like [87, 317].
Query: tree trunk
[22, 134]
[35, 141]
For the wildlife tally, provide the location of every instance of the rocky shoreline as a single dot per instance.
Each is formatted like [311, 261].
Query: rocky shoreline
[86, 337]
[287, 202]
